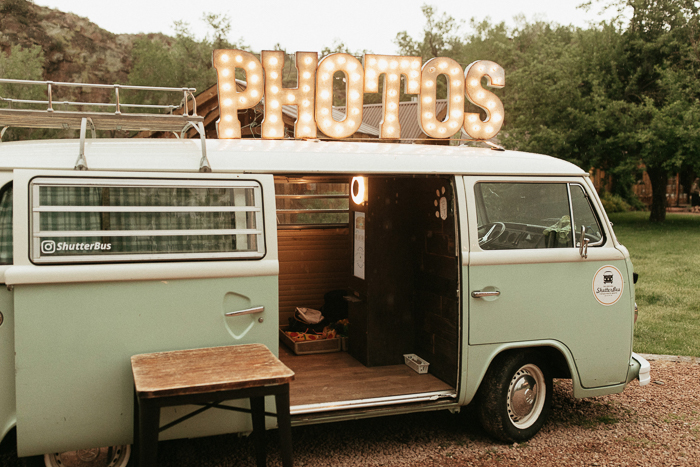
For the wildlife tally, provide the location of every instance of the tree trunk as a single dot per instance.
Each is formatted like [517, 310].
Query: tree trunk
[659, 180]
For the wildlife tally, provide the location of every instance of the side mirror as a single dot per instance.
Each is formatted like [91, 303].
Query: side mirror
[583, 243]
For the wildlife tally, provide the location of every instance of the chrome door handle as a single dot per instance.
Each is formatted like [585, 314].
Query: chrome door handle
[480, 294]
[249, 311]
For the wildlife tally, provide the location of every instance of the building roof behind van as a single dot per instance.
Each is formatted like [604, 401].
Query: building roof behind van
[278, 157]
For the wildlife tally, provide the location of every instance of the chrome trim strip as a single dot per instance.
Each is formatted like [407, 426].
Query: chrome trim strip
[345, 196]
[124, 258]
[125, 182]
[248, 311]
[593, 210]
[313, 211]
[374, 402]
[571, 214]
[144, 233]
[480, 294]
[66, 208]
[311, 226]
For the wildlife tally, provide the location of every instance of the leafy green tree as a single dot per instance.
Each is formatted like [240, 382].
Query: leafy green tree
[182, 61]
[615, 96]
[440, 36]
[25, 64]
[663, 87]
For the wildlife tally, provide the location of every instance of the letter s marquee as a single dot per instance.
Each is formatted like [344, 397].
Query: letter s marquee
[313, 98]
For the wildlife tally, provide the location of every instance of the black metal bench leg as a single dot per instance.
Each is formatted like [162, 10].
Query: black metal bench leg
[149, 423]
[257, 407]
[284, 422]
[136, 442]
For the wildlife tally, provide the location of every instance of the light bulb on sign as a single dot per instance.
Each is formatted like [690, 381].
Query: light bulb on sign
[484, 99]
[273, 64]
[427, 114]
[392, 68]
[231, 101]
[353, 90]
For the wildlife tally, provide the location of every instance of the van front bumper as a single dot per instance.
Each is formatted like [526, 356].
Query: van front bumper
[639, 369]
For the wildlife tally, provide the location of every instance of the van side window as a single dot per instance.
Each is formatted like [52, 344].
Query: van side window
[6, 224]
[523, 215]
[98, 220]
[584, 216]
[305, 203]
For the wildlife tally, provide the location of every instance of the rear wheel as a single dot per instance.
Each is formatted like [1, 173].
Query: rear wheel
[113, 456]
[515, 397]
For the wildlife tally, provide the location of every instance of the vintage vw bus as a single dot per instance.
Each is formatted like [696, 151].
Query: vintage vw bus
[499, 268]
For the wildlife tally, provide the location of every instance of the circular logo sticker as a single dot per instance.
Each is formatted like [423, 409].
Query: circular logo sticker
[608, 285]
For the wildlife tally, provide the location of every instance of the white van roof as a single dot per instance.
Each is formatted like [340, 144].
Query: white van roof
[278, 157]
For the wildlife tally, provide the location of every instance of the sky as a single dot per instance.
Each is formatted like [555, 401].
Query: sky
[311, 25]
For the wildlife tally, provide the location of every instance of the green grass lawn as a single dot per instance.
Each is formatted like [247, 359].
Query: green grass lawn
[667, 258]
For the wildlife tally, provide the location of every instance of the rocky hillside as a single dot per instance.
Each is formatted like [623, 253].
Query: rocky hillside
[75, 49]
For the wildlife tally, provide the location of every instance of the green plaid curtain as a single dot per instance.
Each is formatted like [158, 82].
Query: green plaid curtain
[147, 197]
[6, 227]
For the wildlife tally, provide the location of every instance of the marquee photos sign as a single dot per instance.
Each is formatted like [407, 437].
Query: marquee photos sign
[313, 96]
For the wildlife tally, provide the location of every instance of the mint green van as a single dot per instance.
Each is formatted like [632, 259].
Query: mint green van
[499, 269]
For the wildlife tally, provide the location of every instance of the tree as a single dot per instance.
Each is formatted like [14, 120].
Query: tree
[617, 96]
[662, 40]
[182, 61]
[27, 64]
[440, 36]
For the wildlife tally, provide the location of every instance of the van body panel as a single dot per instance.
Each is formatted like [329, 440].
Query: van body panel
[74, 343]
[75, 332]
[481, 356]
[8, 416]
[73, 327]
[548, 294]
[61, 274]
[463, 225]
[279, 157]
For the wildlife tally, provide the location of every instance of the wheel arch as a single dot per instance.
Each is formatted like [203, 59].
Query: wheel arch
[481, 357]
[7, 427]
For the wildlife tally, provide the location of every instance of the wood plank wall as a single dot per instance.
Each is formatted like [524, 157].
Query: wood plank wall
[312, 262]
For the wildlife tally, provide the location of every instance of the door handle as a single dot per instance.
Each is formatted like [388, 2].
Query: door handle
[249, 311]
[480, 294]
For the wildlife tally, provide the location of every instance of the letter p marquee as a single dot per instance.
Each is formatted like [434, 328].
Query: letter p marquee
[230, 99]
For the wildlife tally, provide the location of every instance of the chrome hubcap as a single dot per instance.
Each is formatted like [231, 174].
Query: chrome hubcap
[526, 396]
[114, 456]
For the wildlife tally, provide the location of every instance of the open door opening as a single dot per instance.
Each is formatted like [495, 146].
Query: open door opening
[390, 254]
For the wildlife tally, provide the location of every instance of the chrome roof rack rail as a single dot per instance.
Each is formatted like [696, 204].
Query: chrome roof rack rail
[114, 119]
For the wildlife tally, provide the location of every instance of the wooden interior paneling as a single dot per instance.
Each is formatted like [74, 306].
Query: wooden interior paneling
[312, 262]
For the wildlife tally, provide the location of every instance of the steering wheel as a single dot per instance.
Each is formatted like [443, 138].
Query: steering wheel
[489, 233]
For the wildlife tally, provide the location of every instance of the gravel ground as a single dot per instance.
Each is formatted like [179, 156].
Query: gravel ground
[658, 424]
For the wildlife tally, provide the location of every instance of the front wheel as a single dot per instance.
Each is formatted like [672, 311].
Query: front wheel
[114, 456]
[515, 398]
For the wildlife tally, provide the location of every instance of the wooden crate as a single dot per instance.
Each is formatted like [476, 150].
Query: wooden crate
[310, 347]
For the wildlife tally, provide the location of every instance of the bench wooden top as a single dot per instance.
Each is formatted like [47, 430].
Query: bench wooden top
[212, 369]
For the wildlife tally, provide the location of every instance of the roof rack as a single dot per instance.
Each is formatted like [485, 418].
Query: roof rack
[102, 120]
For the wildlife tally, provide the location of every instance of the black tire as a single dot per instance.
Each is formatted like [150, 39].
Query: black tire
[515, 397]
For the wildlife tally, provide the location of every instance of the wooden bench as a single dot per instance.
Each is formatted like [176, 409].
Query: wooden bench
[208, 377]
